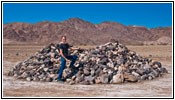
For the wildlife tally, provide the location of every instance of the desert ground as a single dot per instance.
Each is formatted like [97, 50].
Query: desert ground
[159, 87]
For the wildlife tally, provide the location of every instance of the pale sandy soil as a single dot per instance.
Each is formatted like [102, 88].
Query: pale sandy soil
[160, 87]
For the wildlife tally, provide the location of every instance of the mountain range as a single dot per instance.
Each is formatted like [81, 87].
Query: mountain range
[81, 32]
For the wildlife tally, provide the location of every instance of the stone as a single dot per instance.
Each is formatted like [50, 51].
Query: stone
[10, 73]
[92, 72]
[152, 75]
[101, 73]
[68, 80]
[73, 77]
[150, 78]
[98, 71]
[52, 75]
[164, 70]
[144, 77]
[46, 69]
[89, 78]
[157, 65]
[130, 78]
[118, 78]
[85, 59]
[28, 78]
[103, 61]
[155, 73]
[104, 78]
[97, 80]
[140, 71]
[135, 74]
[86, 71]
[41, 76]
[35, 79]
[110, 64]
[52, 55]
[49, 79]
[25, 74]
[86, 83]
[79, 79]
[31, 67]
[72, 83]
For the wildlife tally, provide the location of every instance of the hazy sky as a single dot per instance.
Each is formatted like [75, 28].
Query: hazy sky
[150, 15]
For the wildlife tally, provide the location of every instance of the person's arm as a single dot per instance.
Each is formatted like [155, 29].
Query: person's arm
[61, 53]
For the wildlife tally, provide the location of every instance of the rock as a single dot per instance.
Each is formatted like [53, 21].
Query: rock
[46, 69]
[42, 80]
[41, 76]
[85, 83]
[157, 65]
[97, 80]
[52, 75]
[31, 67]
[140, 71]
[95, 51]
[49, 79]
[164, 70]
[92, 72]
[103, 61]
[52, 55]
[68, 80]
[86, 71]
[73, 77]
[72, 83]
[85, 59]
[110, 64]
[25, 74]
[10, 73]
[155, 73]
[89, 78]
[120, 61]
[104, 79]
[79, 79]
[150, 77]
[118, 78]
[135, 74]
[28, 78]
[35, 79]
[130, 78]
[98, 71]
[143, 77]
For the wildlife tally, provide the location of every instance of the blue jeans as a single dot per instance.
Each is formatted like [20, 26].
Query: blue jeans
[63, 63]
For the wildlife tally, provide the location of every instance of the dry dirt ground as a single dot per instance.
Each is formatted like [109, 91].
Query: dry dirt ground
[159, 87]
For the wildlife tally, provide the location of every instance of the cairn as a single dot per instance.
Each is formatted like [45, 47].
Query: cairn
[108, 63]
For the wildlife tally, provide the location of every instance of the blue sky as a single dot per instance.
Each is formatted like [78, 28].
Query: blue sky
[150, 15]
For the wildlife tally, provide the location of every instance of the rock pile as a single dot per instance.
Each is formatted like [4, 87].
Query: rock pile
[108, 63]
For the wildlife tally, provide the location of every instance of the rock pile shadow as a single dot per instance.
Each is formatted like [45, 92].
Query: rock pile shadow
[108, 63]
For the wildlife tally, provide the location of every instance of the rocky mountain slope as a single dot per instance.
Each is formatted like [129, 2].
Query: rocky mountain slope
[80, 32]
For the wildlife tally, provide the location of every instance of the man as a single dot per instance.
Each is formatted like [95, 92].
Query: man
[65, 57]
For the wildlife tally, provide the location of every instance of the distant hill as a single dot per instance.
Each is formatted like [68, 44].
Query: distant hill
[80, 32]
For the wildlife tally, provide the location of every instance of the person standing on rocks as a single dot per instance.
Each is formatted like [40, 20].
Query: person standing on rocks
[65, 57]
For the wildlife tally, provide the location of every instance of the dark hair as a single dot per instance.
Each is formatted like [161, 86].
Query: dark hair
[63, 36]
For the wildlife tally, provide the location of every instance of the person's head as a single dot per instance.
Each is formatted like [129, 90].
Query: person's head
[63, 39]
